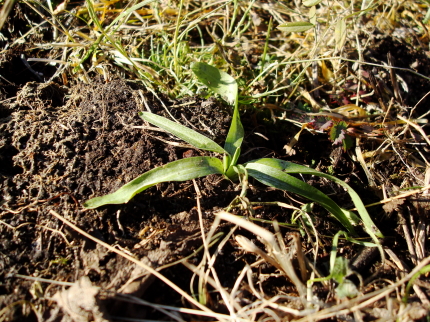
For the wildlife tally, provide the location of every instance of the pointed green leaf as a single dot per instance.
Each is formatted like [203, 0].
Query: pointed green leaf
[290, 167]
[276, 178]
[218, 81]
[223, 84]
[188, 135]
[181, 170]
[299, 26]
[235, 136]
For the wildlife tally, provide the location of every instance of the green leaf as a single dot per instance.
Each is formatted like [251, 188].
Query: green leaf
[181, 170]
[346, 289]
[223, 84]
[290, 167]
[188, 135]
[310, 3]
[230, 170]
[276, 178]
[218, 81]
[296, 26]
[338, 134]
[411, 282]
[340, 269]
[234, 137]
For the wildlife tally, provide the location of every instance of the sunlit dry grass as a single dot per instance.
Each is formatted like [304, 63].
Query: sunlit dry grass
[299, 77]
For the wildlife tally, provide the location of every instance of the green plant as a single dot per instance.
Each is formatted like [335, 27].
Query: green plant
[340, 269]
[272, 172]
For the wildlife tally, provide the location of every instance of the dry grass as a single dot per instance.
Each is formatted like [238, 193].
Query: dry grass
[323, 73]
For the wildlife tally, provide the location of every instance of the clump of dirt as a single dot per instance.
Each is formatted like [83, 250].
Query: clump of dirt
[56, 156]
[90, 146]
[413, 88]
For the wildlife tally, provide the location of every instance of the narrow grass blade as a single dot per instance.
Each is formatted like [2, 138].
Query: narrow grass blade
[181, 170]
[5, 11]
[105, 31]
[129, 11]
[188, 135]
[218, 81]
[410, 284]
[290, 167]
[275, 177]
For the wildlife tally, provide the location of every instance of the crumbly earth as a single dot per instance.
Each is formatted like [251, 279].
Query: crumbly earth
[61, 147]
